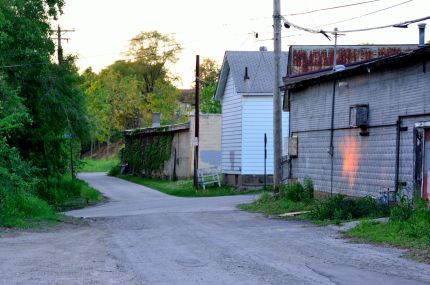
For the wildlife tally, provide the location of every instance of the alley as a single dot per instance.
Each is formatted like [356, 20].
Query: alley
[145, 237]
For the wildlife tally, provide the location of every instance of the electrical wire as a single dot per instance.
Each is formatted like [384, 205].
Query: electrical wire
[311, 30]
[367, 14]
[331, 8]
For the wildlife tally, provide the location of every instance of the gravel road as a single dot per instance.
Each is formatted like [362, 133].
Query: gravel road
[145, 237]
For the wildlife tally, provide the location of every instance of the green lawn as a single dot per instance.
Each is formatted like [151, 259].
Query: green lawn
[101, 165]
[31, 209]
[184, 188]
[411, 231]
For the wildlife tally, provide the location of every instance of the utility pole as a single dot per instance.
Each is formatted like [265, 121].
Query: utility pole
[196, 125]
[333, 104]
[277, 112]
[60, 33]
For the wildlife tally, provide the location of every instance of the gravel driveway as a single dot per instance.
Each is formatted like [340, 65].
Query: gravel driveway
[145, 237]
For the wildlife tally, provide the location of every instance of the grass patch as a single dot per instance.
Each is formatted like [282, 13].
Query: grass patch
[184, 188]
[66, 194]
[24, 210]
[339, 208]
[291, 198]
[101, 165]
[408, 227]
[271, 205]
[297, 197]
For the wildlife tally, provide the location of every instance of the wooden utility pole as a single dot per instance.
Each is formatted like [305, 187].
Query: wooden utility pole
[60, 33]
[277, 111]
[196, 125]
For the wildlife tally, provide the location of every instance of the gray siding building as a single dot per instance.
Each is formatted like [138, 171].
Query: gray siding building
[363, 129]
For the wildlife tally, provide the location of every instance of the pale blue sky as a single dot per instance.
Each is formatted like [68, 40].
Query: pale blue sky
[104, 27]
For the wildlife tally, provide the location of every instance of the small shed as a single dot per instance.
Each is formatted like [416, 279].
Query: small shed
[245, 89]
[168, 151]
[363, 129]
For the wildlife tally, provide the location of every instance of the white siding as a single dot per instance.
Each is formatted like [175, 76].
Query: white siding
[231, 126]
[257, 120]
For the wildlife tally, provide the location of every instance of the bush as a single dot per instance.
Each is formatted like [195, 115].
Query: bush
[339, 207]
[403, 210]
[66, 193]
[296, 192]
[21, 209]
[115, 171]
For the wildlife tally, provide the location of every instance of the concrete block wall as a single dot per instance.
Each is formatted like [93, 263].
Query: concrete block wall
[209, 140]
[391, 93]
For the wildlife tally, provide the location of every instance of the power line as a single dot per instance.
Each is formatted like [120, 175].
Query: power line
[367, 14]
[28, 64]
[324, 32]
[25, 64]
[398, 25]
[331, 8]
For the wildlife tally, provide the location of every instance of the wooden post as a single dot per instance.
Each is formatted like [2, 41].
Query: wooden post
[196, 129]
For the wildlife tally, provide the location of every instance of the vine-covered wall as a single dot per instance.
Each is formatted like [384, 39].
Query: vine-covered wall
[146, 155]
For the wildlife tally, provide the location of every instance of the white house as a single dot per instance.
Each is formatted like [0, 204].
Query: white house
[245, 88]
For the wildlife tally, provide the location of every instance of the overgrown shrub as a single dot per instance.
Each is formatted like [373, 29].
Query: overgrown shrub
[403, 210]
[21, 209]
[297, 192]
[115, 171]
[339, 207]
[66, 193]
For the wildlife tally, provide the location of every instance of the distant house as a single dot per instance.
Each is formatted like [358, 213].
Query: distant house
[363, 129]
[245, 88]
[186, 99]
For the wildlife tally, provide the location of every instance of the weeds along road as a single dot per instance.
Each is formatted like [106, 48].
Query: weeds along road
[145, 237]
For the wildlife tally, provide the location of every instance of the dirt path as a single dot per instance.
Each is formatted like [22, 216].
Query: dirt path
[145, 237]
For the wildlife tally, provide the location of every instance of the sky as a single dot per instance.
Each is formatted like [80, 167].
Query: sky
[103, 28]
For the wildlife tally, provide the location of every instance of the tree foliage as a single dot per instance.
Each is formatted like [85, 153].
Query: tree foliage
[125, 94]
[209, 71]
[40, 100]
[150, 53]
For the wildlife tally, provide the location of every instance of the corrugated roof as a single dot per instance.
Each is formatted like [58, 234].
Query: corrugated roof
[309, 79]
[260, 71]
[154, 130]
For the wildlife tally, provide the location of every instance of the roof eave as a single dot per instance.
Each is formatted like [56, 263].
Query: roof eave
[222, 79]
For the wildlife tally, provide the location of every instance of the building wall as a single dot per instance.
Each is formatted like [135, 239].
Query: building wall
[181, 155]
[362, 165]
[257, 120]
[209, 140]
[231, 126]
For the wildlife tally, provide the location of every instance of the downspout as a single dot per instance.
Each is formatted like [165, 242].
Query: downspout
[290, 163]
[397, 166]
[331, 149]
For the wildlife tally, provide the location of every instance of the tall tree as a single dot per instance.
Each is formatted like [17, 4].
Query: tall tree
[209, 72]
[49, 92]
[150, 53]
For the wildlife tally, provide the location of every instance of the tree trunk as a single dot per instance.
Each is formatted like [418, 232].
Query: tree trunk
[91, 149]
[107, 149]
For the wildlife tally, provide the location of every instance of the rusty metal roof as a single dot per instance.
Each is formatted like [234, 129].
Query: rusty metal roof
[403, 59]
[305, 59]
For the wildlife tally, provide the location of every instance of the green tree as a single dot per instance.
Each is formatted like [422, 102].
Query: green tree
[209, 71]
[150, 53]
[51, 93]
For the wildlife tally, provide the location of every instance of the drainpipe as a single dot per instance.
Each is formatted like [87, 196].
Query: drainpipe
[331, 149]
[397, 167]
[422, 29]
